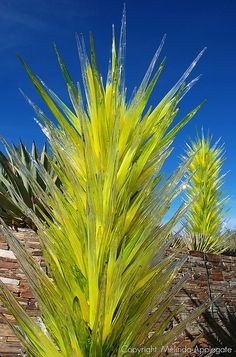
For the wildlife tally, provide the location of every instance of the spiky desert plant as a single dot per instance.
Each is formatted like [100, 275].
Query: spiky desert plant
[205, 218]
[231, 241]
[104, 227]
[10, 176]
[220, 330]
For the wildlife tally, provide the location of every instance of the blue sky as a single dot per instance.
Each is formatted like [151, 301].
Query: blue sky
[30, 27]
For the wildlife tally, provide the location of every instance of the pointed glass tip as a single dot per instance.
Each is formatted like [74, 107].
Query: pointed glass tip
[43, 128]
[122, 51]
[124, 11]
[187, 73]
[189, 86]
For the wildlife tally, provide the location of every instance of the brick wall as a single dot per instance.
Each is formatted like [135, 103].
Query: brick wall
[12, 276]
[220, 277]
[211, 277]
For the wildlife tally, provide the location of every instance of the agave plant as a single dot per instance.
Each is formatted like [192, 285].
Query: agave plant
[220, 331]
[103, 229]
[205, 219]
[231, 241]
[10, 176]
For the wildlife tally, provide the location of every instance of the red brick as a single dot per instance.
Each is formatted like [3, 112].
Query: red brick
[217, 275]
[4, 246]
[195, 253]
[213, 258]
[8, 264]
